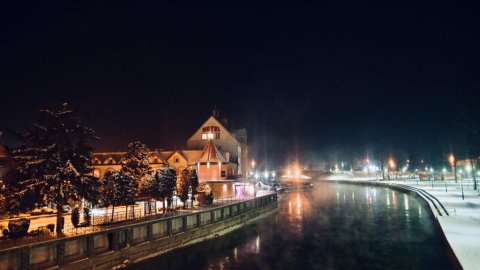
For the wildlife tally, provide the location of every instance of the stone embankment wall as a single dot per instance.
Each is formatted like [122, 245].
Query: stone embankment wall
[111, 247]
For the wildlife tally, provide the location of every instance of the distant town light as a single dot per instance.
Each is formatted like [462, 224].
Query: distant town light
[451, 159]
[266, 174]
[392, 164]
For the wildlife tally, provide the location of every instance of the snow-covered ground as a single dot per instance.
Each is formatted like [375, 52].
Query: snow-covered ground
[462, 226]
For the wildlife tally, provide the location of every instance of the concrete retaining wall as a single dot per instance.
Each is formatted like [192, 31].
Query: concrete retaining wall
[111, 247]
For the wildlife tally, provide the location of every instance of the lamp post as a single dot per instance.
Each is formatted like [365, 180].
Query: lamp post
[444, 179]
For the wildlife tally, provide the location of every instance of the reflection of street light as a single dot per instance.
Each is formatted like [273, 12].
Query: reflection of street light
[451, 159]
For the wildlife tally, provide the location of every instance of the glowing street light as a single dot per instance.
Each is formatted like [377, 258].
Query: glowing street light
[392, 164]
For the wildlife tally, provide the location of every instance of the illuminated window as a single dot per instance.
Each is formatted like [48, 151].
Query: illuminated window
[210, 136]
[204, 136]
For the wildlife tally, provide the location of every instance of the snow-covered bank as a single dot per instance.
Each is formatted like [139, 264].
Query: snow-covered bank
[461, 226]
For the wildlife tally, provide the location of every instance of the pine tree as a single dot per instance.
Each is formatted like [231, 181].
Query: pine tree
[53, 164]
[167, 184]
[117, 188]
[151, 188]
[194, 183]
[125, 190]
[135, 162]
[107, 189]
[183, 185]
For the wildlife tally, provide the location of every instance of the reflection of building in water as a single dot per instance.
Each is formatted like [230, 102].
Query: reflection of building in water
[214, 151]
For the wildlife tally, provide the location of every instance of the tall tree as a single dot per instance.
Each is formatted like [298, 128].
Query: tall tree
[155, 188]
[118, 188]
[135, 162]
[53, 164]
[194, 183]
[183, 185]
[168, 182]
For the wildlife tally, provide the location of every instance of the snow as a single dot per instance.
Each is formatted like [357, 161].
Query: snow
[461, 227]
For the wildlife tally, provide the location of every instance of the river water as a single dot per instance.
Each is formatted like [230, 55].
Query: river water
[332, 226]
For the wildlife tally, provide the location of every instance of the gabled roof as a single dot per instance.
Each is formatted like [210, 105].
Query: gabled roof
[179, 153]
[210, 153]
[156, 155]
[218, 122]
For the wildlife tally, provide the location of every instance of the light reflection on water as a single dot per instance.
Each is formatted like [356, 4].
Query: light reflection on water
[333, 226]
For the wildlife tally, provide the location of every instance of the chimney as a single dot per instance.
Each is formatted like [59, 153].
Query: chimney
[215, 112]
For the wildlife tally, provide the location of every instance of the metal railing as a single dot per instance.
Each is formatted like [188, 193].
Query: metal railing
[106, 221]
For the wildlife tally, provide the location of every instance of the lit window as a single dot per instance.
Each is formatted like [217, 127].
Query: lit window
[204, 136]
[210, 136]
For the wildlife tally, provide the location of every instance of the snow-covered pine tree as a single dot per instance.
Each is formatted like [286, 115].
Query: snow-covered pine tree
[107, 189]
[53, 164]
[151, 188]
[183, 185]
[117, 188]
[167, 184]
[125, 190]
[135, 162]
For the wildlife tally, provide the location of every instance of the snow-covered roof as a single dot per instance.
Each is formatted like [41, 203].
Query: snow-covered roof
[210, 153]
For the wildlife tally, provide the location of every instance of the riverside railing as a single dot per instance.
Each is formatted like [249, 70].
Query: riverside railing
[103, 222]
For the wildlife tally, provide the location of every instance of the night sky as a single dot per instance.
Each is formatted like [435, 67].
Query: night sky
[305, 80]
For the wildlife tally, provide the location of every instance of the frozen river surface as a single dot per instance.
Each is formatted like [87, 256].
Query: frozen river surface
[332, 226]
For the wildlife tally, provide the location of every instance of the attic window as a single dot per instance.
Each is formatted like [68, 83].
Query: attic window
[217, 135]
[176, 160]
[204, 136]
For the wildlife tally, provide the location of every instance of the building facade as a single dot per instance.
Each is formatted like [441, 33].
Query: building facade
[217, 154]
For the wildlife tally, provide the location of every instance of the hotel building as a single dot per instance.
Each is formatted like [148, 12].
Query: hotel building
[218, 154]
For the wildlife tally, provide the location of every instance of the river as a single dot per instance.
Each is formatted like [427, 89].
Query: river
[332, 226]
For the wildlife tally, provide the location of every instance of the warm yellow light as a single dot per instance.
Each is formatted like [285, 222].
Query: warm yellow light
[392, 164]
[451, 159]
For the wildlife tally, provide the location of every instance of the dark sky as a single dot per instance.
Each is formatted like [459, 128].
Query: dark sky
[306, 79]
